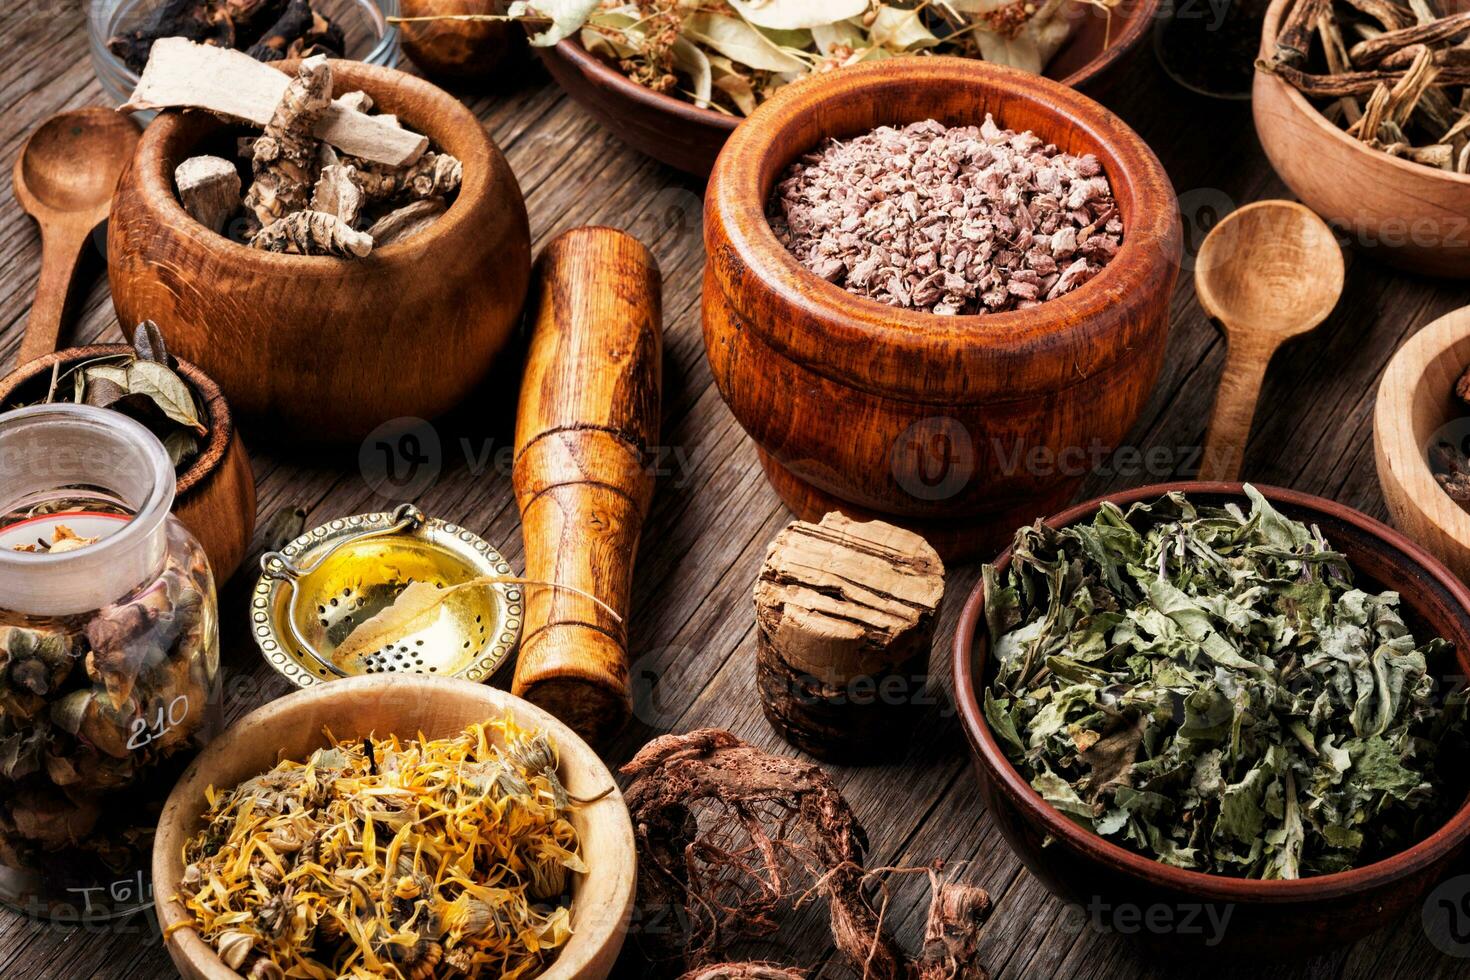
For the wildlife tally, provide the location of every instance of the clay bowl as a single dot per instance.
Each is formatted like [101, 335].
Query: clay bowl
[1267, 919]
[215, 497]
[960, 428]
[404, 705]
[1417, 408]
[1404, 213]
[316, 349]
[674, 131]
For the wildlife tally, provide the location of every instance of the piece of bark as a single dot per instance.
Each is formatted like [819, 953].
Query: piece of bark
[313, 233]
[209, 189]
[337, 193]
[285, 153]
[845, 612]
[181, 74]
[293, 23]
[407, 221]
[358, 101]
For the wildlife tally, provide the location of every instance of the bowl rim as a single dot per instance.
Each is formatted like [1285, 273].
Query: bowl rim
[221, 420]
[185, 804]
[1393, 413]
[988, 754]
[1270, 29]
[829, 318]
[479, 184]
[571, 49]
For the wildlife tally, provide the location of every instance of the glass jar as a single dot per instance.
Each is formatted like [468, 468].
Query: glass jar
[109, 658]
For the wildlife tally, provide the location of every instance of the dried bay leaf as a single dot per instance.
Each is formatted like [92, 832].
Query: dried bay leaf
[167, 390]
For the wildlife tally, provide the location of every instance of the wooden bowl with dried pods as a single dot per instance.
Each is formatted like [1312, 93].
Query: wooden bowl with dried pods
[1234, 917]
[1408, 213]
[957, 427]
[675, 131]
[1418, 410]
[313, 348]
[215, 497]
[405, 705]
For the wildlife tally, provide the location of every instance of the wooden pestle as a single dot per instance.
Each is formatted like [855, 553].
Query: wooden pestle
[587, 423]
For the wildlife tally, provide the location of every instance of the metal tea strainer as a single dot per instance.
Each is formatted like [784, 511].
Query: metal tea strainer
[316, 590]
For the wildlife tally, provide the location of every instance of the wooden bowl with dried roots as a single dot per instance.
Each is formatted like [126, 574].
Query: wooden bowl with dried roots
[675, 131]
[960, 428]
[316, 349]
[1407, 214]
[405, 705]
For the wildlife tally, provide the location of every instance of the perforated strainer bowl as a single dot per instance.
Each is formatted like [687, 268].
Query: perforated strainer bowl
[315, 591]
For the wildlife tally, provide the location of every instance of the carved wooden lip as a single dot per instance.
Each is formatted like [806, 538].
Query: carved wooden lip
[1269, 32]
[221, 422]
[424, 107]
[969, 668]
[682, 110]
[1079, 329]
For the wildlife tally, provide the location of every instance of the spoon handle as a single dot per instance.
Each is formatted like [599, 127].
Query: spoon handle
[1235, 408]
[61, 249]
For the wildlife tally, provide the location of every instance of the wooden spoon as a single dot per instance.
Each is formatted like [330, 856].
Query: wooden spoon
[1267, 272]
[64, 178]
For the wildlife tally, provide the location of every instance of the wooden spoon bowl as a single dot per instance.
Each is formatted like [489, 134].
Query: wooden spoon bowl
[1403, 213]
[1416, 408]
[960, 428]
[404, 705]
[312, 349]
[675, 131]
[215, 497]
[1265, 920]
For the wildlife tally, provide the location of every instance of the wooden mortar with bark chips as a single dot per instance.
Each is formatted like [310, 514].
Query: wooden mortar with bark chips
[326, 346]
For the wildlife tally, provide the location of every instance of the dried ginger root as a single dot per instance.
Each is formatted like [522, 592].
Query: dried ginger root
[313, 233]
[284, 156]
[434, 175]
[773, 819]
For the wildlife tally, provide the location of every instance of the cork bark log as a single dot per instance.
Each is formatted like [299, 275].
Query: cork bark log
[845, 612]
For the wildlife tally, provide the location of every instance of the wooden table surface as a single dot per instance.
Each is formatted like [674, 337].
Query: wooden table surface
[693, 626]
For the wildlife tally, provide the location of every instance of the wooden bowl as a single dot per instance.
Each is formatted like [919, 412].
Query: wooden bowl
[316, 349]
[1266, 918]
[1416, 404]
[674, 131]
[961, 428]
[215, 496]
[404, 705]
[1404, 213]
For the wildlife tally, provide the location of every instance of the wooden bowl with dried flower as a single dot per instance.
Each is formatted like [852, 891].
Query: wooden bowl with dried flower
[1419, 417]
[313, 348]
[675, 131]
[403, 705]
[1410, 214]
[215, 497]
[958, 427]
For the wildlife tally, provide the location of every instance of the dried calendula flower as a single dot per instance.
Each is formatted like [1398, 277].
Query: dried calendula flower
[409, 861]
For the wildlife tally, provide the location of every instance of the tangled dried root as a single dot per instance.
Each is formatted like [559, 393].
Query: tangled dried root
[774, 828]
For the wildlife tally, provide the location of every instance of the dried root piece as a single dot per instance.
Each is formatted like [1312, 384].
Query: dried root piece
[293, 23]
[209, 189]
[775, 828]
[337, 193]
[407, 221]
[434, 175]
[313, 233]
[285, 154]
[745, 971]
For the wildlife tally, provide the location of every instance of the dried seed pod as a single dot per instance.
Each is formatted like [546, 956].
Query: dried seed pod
[234, 948]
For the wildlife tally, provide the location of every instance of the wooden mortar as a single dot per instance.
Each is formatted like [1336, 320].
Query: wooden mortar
[587, 425]
[958, 428]
[215, 496]
[315, 349]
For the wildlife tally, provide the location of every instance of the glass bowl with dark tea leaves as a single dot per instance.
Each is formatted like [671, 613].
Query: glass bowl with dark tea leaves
[1242, 708]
